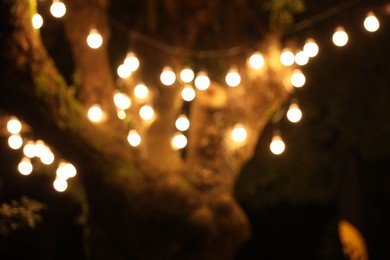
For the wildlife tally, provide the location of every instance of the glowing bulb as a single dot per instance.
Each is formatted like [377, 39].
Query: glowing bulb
[294, 113]
[187, 75]
[182, 123]
[277, 145]
[47, 156]
[298, 79]
[95, 114]
[340, 37]
[40, 148]
[179, 141]
[167, 77]
[134, 138]
[256, 61]
[146, 112]
[15, 141]
[94, 39]
[131, 61]
[371, 23]
[301, 58]
[25, 167]
[233, 79]
[60, 185]
[202, 81]
[123, 71]
[58, 9]
[65, 171]
[14, 126]
[29, 149]
[121, 114]
[70, 170]
[37, 21]
[141, 91]
[239, 134]
[122, 101]
[311, 48]
[287, 57]
[188, 93]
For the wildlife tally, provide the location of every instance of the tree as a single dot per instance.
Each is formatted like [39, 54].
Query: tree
[152, 201]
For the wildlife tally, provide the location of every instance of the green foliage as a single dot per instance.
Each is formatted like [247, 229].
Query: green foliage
[282, 12]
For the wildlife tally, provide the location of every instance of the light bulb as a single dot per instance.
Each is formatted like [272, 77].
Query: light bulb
[40, 148]
[14, 126]
[70, 170]
[182, 123]
[123, 71]
[239, 134]
[233, 79]
[60, 185]
[256, 61]
[301, 58]
[94, 39]
[131, 61]
[15, 142]
[58, 9]
[37, 21]
[371, 23]
[298, 79]
[188, 93]
[277, 145]
[47, 156]
[121, 114]
[134, 138]
[167, 76]
[141, 91]
[179, 141]
[122, 101]
[294, 113]
[25, 167]
[311, 48]
[29, 149]
[95, 114]
[340, 37]
[65, 171]
[187, 75]
[146, 112]
[287, 57]
[202, 81]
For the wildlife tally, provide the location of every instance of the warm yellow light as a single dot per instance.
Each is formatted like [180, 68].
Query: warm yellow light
[311, 48]
[95, 114]
[239, 133]
[202, 81]
[277, 145]
[14, 126]
[188, 93]
[40, 148]
[134, 138]
[233, 78]
[301, 58]
[121, 114]
[294, 113]
[141, 91]
[167, 77]
[25, 167]
[29, 149]
[47, 156]
[340, 37]
[122, 101]
[371, 23]
[65, 171]
[37, 21]
[298, 79]
[123, 71]
[187, 75]
[60, 185]
[146, 112]
[15, 141]
[58, 9]
[287, 57]
[256, 61]
[182, 123]
[179, 141]
[94, 39]
[131, 61]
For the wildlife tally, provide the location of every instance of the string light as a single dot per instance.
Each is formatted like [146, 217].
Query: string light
[40, 148]
[188, 93]
[37, 21]
[15, 141]
[340, 37]
[256, 61]
[371, 23]
[94, 39]
[239, 134]
[298, 79]
[301, 58]
[131, 62]
[294, 113]
[60, 185]
[14, 126]
[29, 149]
[182, 123]
[58, 9]
[187, 75]
[123, 71]
[179, 141]
[167, 76]
[277, 145]
[146, 112]
[202, 81]
[25, 167]
[287, 57]
[47, 157]
[233, 79]
[65, 171]
[141, 91]
[311, 48]
[134, 138]
[121, 114]
[95, 114]
[122, 101]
